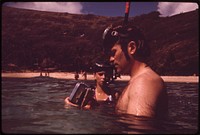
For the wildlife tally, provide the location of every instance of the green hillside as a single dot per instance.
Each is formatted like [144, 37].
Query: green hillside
[72, 41]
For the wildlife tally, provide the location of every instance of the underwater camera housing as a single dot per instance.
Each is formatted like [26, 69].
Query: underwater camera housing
[81, 94]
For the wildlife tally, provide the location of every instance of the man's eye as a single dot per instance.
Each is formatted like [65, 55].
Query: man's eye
[100, 74]
[112, 53]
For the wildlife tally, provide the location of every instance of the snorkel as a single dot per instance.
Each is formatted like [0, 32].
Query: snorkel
[123, 35]
[127, 9]
[117, 35]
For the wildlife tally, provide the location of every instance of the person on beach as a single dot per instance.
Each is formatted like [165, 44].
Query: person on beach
[76, 75]
[145, 95]
[102, 90]
[84, 74]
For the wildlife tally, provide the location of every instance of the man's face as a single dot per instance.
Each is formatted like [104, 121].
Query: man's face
[119, 59]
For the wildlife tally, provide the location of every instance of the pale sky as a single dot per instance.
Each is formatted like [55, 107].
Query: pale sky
[109, 8]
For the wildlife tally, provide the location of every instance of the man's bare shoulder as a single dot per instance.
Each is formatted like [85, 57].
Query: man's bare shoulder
[146, 82]
[143, 92]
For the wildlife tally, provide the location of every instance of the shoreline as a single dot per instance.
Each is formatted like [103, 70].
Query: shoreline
[68, 75]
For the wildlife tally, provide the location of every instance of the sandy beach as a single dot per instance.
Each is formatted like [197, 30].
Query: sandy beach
[67, 75]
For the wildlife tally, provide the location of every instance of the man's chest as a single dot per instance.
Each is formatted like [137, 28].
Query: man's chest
[122, 102]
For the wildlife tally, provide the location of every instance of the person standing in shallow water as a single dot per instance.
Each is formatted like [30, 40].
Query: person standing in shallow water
[145, 94]
[102, 90]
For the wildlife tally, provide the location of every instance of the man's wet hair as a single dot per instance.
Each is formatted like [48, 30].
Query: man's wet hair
[123, 35]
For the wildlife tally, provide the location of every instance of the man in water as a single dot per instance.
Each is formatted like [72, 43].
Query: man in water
[145, 94]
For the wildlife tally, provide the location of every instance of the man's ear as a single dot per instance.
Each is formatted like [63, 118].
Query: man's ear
[131, 47]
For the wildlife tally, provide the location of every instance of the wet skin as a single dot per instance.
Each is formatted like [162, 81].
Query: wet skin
[145, 94]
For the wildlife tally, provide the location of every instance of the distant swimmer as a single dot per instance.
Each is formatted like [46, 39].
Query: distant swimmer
[145, 94]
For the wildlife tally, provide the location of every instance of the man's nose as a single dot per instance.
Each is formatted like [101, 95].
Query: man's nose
[111, 59]
[103, 76]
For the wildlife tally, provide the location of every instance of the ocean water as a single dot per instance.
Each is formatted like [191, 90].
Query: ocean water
[36, 105]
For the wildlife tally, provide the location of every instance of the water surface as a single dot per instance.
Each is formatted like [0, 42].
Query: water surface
[36, 105]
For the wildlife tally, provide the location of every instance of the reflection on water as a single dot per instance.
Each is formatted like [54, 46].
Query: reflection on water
[36, 105]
